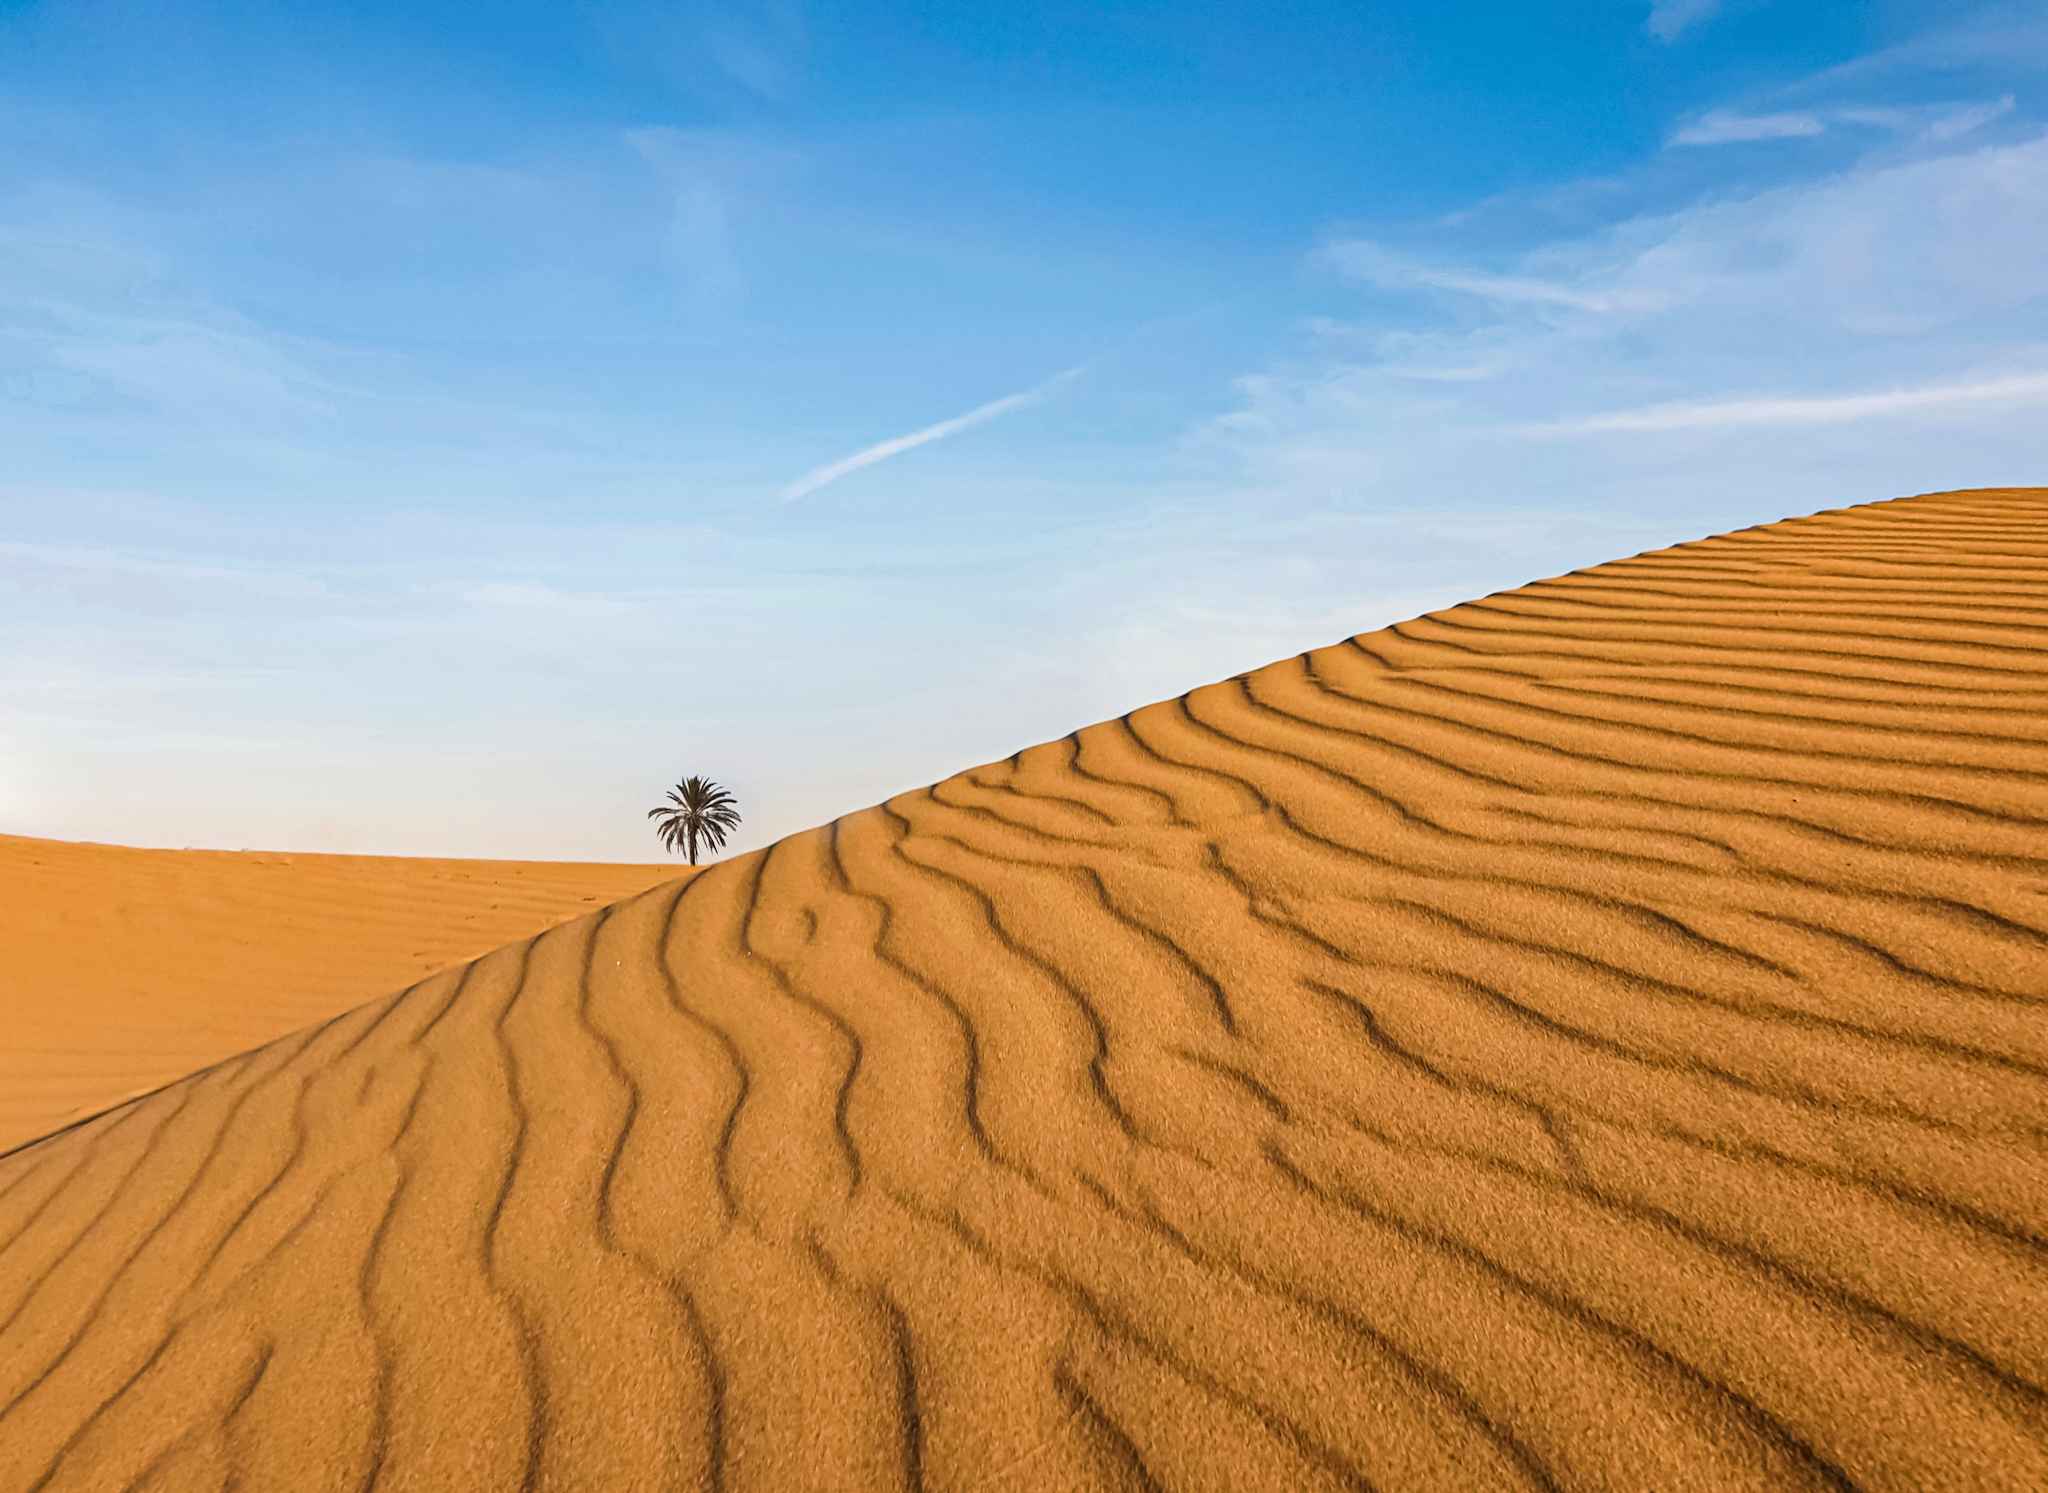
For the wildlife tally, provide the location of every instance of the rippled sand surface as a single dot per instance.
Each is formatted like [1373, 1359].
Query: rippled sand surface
[1592, 1037]
[123, 969]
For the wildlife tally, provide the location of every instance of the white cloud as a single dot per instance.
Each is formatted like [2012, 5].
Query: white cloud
[1956, 123]
[2004, 37]
[1721, 127]
[710, 47]
[1803, 338]
[2029, 388]
[714, 178]
[192, 368]
[1936, 123]
[1368, 261]
[867, 456]
[763, 64]
[87, 318]
[1535, 292]
[1669, 19]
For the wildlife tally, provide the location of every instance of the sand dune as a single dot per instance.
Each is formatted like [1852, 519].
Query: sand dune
[1594, 1037]
[125, 969]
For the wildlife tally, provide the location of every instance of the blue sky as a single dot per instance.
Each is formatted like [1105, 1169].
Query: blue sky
[433, 429]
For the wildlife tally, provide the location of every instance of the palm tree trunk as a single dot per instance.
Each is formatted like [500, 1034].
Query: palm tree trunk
[691, 832]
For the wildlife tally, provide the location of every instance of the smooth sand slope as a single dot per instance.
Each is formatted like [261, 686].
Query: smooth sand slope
[123, 969]
[1593, 1037]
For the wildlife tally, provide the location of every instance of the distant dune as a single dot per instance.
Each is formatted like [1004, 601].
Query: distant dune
[123, 969]
[1592, 1037]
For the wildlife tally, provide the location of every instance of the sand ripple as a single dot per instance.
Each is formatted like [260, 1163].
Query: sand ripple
[127, 969]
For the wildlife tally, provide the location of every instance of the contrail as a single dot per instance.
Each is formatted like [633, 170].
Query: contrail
[867, 456]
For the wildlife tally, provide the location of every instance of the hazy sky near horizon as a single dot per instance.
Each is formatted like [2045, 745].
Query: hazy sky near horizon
[433, 429]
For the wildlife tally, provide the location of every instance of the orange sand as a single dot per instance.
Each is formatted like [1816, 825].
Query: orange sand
[125, 969]
[1595, 1037]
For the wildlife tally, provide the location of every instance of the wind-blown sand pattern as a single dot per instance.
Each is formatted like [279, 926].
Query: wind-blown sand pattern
[1593, 1037]
[122, 970]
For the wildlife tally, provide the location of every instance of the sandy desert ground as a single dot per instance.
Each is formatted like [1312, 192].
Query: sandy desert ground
[1594, 1037]
[123, 969]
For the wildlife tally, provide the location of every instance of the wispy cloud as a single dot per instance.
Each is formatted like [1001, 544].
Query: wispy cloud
[2012, 36]
[1829, 330]
[1363, 260]
[2028, 388]
[715, 49]
[1960, 122]
[1724, 127]
[87, 319]
[103, 563]
[1669, 19]
[867, 456]
[762, 49]
[1937, 123]
[714, 178]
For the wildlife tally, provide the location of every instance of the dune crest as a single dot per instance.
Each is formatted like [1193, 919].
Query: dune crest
[1592, 1037]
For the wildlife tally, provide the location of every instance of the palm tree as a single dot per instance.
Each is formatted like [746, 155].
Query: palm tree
[697, 810]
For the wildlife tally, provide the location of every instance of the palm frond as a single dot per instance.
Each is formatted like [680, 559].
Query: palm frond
[696, 809]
